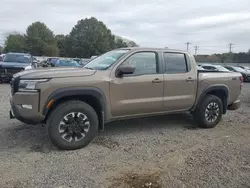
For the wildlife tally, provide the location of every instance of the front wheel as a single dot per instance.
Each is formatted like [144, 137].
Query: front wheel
[72, 125]
[209, 112]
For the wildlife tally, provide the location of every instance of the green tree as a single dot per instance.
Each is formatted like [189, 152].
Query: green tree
[15, 43]
[119, 43]
[51, 50]
[61, 44]
[132, 44]
[90, 37]
[123, 42]
[38, 37]
[1, 49]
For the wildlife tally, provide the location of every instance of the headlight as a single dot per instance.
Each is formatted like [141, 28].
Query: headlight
[29, 85]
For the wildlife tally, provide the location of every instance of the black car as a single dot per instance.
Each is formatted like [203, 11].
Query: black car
[13, 63]
[245, 74]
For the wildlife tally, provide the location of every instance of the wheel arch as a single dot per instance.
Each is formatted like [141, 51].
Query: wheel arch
[93, 96]
[220, 91]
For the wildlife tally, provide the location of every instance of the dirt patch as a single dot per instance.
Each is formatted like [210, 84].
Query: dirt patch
[106, 142]
[136, 180]
[42, 148]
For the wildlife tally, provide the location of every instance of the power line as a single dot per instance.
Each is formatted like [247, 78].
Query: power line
[196, 49]
[188, 43]
[230, 47]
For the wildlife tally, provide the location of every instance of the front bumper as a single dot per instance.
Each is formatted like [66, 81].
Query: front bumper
[235, 105]
[18, 103]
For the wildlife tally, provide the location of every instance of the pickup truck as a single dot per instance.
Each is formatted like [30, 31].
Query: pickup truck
[75, 103]
[15, 62]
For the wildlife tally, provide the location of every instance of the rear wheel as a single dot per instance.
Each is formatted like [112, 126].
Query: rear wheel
[209, 112]
[72, 125]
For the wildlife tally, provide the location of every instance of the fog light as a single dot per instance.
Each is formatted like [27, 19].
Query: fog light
[26, 106]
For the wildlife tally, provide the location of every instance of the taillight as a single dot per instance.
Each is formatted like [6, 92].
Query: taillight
[241, 82]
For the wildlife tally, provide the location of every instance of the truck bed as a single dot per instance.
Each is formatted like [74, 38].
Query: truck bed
[230, 80]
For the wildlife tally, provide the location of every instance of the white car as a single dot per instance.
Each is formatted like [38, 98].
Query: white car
[218, 68]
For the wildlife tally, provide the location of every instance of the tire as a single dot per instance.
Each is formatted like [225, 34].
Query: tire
[201, 116]
[56, 124]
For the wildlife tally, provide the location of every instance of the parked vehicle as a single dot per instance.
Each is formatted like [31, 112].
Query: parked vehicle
[50, 62]
[218, 68]
[67, 63]
[76, 59]
[244, 67]
[245, 74]
[124, 83]
[200, 68]
[15, 62]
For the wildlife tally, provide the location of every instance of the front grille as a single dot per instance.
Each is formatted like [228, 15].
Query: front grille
[12, 70]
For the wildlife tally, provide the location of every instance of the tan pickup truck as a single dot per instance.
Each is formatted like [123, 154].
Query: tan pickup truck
[75, 103]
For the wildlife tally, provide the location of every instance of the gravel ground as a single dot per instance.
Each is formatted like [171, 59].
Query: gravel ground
[166, 151]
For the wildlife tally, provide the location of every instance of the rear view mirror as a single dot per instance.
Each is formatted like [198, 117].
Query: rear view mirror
[125, 69]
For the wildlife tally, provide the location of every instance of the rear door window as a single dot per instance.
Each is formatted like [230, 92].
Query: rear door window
[175, 63]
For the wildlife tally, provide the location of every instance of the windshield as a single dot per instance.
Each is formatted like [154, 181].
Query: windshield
[239, 69]
[223, 69]
[66, 63]
[106, 60]
[17, 58]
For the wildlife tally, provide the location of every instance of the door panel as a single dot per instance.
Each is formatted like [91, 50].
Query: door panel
[136, 95]
[141, 92]
[180, 82]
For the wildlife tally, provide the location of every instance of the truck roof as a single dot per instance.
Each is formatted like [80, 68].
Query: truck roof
[154, 49]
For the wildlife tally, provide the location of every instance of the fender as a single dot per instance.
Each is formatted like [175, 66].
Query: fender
[210, 89]
[74, 91]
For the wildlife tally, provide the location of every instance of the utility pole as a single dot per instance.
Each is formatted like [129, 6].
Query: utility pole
[196, 49]
[188, 43]
[230, 47]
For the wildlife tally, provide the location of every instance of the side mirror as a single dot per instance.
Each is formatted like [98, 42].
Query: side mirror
[125, 69]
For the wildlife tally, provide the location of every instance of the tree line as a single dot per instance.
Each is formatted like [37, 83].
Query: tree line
[87, 38]
[242, 57]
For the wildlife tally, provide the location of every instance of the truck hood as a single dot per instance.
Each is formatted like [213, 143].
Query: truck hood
[14, 64]
[54, 73]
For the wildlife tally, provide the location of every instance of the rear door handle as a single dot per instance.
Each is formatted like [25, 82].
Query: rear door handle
[189, 79]
[156, 80]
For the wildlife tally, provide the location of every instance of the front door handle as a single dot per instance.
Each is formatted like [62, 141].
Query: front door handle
[189, 79]
[156, 80]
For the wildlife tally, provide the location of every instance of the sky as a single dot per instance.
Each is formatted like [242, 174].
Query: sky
[211, 24]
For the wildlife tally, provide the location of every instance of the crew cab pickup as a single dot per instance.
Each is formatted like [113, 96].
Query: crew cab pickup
[75, 103]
